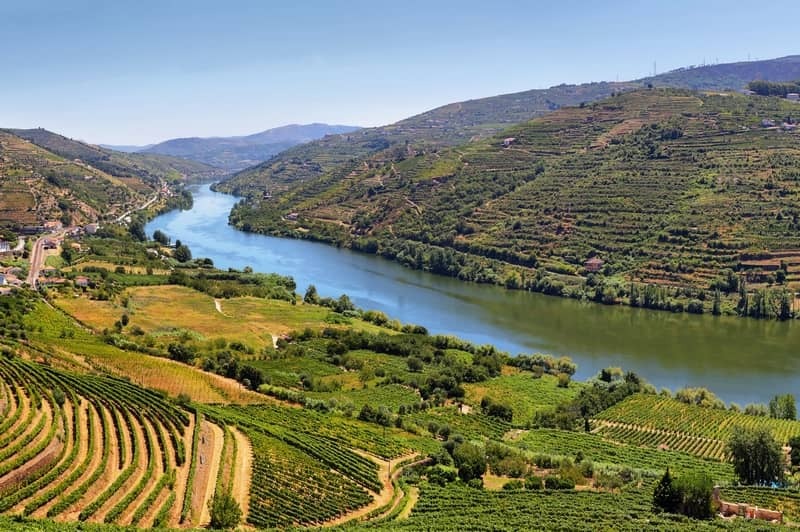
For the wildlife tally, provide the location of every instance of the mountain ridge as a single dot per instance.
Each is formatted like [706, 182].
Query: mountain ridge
[237, 152]
[460, 122]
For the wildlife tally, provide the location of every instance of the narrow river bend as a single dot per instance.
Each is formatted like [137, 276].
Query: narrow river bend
[740, 360]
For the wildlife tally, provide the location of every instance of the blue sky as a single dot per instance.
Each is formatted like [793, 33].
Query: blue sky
[117, 71]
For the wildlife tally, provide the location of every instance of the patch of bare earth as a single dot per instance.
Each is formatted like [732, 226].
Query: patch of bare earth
[242, 471]
[209, 454]
[388, 496]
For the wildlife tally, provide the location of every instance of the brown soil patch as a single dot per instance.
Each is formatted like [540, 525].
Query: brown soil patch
[242, 471]
[209, 454]
[388, 471]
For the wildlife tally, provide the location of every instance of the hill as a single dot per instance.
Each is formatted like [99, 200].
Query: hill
[461, 122]
[38, 185]
[669, 188]
[236, 153]
[729, 76]
[148, 167]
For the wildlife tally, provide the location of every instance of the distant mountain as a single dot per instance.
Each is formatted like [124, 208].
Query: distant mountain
[335, 157]
[729, 75]
[236, 153]
[148, 167]
[124, 147]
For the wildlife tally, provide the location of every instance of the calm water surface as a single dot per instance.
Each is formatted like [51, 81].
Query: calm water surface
[740, 360]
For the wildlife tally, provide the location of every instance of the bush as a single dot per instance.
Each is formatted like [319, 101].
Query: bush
[558, 483]
[225, 511]
[533, 483]
[513, 485]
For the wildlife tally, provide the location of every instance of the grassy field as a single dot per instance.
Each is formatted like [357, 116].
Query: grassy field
[527, 394]
[55, 334]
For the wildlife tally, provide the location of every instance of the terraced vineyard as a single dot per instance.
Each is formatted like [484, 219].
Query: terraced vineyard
[670, 188]
[304, 471]
[596, 448]
[90, 448]
[458, 508]
[657, 421]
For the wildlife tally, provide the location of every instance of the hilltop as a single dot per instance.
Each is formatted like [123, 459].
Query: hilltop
[148, 167]
[457, 123]
[50, 177]
[237, 153]
[668, 188]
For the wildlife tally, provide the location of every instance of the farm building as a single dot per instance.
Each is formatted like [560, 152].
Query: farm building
[594, 264]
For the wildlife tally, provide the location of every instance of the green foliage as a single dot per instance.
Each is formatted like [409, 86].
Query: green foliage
[695, 492]
[667, 495]
[183, 253]
[783, 407]
[757, 458]
[225, 511]
[470, 461]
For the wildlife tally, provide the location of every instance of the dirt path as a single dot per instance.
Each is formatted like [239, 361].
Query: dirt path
[242, 471]
[209, 456]
[387, 472]
[413, 497]
[218, 306]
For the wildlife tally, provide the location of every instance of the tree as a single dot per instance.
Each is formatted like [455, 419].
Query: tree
[716, 310]
[757, 458]
[794, 455]
[667, 496]
[136, 230]
[414, 364]
[695, 492]
[311, 295]
[161, 237]
[225, 511]
[783, 407]
[183, 253]
[470, 461]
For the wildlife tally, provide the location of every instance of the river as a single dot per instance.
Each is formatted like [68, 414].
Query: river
[740, 360]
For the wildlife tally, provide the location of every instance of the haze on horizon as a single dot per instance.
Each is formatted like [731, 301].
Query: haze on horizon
[141, 72]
